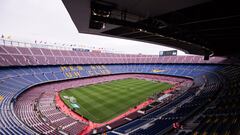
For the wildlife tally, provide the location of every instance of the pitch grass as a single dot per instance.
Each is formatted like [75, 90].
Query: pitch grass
[103, 101]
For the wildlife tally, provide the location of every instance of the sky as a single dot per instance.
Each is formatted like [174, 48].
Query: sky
[49, 21]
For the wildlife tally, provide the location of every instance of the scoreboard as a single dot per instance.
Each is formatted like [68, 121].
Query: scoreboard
[168, 53]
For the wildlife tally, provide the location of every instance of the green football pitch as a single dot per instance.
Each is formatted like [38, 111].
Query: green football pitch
[104, 101]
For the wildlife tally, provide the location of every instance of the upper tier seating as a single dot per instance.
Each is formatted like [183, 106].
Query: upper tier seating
[20, 56]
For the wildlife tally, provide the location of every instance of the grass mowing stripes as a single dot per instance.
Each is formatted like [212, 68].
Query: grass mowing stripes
[103, 101]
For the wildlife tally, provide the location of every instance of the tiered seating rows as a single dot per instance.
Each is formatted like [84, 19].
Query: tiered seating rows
[11, 55]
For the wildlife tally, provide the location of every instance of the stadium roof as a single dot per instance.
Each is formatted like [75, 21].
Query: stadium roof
[198, 27]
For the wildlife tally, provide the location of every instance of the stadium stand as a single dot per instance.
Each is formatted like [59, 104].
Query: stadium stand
[12, 55]
[222, 116]
[28, 104]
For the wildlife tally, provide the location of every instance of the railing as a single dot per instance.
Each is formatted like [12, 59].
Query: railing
[58, 46]
[9, 42]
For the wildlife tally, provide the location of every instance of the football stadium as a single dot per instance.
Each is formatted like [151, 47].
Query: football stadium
[118, 67]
